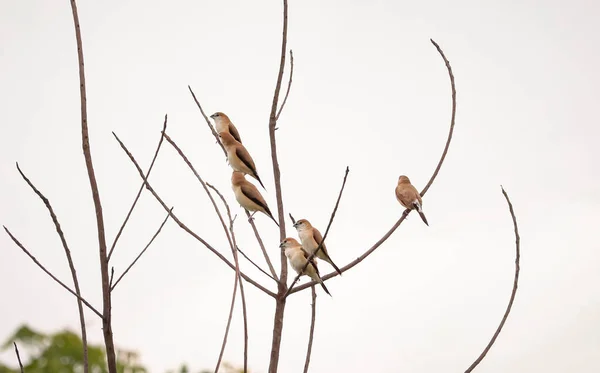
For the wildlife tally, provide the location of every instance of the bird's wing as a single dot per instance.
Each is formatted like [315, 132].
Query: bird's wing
[254, 195]
[234, 132]
[312, 261]
[245, 157]
[318, 238]
[405, 196]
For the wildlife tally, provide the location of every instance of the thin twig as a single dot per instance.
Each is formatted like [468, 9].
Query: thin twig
[281, 288]
[312, 328]
[514, 289]
[85, 141]
[262, 246]
[256, 265]
[452, 118]
[310, 258]
[18, 356]
[50, 274]
[112, 276]
[144, 250]
[63, 240]
[238, 280]
[212, 129]
[139, 193]
[182, 225]
[235, 285]
[287, 92]
[404, 214]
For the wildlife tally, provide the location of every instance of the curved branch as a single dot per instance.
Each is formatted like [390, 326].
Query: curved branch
[405, 213]
[235, 285]
[287, 92]
[63, 240]
[262, 246]
[514, 289]
[50, 274]
[139, 193]
[18, 356]
[182, 225]
[312, 328]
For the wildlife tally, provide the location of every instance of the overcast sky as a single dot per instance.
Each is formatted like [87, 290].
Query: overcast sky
[370, 92]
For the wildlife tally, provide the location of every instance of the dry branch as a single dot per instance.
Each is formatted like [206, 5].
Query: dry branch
[312, 328]
[106, 301]
[253, 263]
[112, 287]
[310, 258]
[182, 225]
[405, 213]
[50, 274]
[287, 92]
[18, 356]
[210, 126]
[262, 246]
[63, 240]
[514, 289]
[139, 193]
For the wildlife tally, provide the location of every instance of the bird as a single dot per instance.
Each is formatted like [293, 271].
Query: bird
[248, 196]
[298, 257]
[223, 124]
[311, 238]
[409, 197]
[238, 157]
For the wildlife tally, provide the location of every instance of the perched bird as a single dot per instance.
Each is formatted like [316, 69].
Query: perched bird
[409, 197]
[238, 157]
[298, 257]
[311, 238]
[248, 196]
[223, 124]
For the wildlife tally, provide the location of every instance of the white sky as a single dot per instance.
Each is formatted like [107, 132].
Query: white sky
[369, 92]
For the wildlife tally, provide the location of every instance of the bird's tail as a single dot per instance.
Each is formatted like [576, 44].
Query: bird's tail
[421, 214]
[268, 212]
[323, 285]
[258, 179]
[328, 260]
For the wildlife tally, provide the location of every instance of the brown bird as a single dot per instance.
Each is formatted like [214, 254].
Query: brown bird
[223, 124]
[238, 157]
[311, 238]
[409, 197]
[298, 257]
[248, 196]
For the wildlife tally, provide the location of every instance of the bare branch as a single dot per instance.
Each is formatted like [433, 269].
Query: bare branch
[144, 250]
[310, 258]
[106, 301]
[212, 129]
[18, 356]
[292, 218]
[514, 289]
[137, 197]
[405, 213]
[112, 276]
[281, 288]
[451, 131]
[63, 240]
[312, 328]
[50, 274]
[256, 265]
[235, 285]
[262, 246]
[185, 227]
[287, 92]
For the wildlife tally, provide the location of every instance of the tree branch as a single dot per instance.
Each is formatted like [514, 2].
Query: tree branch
[182, 225]
[514, 289]
[262, 247]
[212, 129]
[405, 213]
[85, 141]
[312, 329]
[18, 356]
[50, 274]
[253, 263]
[235, 285]
[137, 197]
[281, 287]
[287, 92]
[63, 240]
[143, 251]
[311, 256]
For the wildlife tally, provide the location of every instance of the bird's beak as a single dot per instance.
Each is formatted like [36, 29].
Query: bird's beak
[295, 225]
[213, 116]
[281, 245]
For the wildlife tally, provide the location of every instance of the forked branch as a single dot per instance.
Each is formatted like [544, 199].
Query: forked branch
[404, 214]
[514, 289]
[210, 126]
[287, 92]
